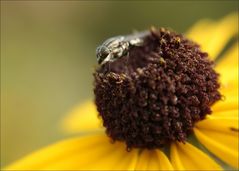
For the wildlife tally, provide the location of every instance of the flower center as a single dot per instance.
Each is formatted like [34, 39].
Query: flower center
[155, 94]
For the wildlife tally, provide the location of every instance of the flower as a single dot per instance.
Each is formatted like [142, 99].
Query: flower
[218, 132]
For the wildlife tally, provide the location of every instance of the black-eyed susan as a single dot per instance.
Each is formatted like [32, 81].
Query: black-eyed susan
[155, 110]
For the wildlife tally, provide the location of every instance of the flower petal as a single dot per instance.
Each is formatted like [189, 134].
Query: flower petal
[229, 101]
[213, 36]
[219, 133]
[153, 160]
[93, 152]
[228, 70]
[220, 122]
[82, 118]
[203, 27]
[224, 113]
[187, 157]
[228, 67]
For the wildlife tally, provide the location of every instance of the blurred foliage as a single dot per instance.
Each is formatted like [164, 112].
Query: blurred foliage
[48, 56]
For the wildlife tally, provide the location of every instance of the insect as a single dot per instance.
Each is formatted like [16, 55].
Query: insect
[119, 46]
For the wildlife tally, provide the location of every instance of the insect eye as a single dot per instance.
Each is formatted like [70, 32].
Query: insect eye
[102, 52]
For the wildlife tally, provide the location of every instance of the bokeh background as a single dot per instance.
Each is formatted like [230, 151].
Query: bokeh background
[48, 56]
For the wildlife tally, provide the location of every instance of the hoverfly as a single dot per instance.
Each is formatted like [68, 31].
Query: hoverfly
[116, 47]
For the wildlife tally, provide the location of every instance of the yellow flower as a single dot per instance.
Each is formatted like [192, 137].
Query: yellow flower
[218, 132]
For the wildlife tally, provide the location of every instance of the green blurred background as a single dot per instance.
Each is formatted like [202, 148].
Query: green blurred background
[48, 56]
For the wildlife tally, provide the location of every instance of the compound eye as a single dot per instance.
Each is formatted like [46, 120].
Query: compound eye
[101, 53]
[104, 52]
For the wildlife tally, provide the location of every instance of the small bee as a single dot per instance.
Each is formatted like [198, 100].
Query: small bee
[119, 46]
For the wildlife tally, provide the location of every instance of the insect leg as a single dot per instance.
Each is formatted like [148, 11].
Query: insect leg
[127, 63]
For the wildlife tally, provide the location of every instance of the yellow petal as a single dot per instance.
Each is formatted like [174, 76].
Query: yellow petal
[229, 101]
[187, 157]
[92, 152]
[164, 162]
[220, 122]
[143, 161]
[153, 160]
[228, 70]
[213, 36]
[228, 67]
[82, 118]
[219, 133]
[230, 57]
[233, 113]
[201, 32]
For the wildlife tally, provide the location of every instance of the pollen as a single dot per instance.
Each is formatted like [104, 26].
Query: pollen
[157, 92]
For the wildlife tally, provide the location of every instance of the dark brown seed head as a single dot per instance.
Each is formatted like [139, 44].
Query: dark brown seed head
[156, 93]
